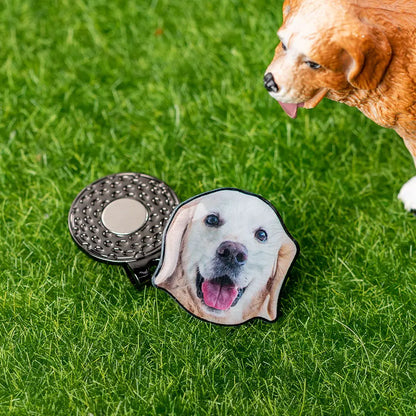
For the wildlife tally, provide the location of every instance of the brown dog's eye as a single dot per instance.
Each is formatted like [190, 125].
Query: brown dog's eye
[261, 235]
[284, 47]
[313, 65]
[212, 220]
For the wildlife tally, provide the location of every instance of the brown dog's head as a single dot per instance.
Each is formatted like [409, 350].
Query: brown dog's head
[325, 46]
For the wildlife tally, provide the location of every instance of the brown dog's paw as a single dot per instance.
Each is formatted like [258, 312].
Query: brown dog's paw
[408, 195]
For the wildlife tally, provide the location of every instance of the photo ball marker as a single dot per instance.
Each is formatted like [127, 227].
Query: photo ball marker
[225, 256]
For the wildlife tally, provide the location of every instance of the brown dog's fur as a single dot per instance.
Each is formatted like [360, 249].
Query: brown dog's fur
[367, 55]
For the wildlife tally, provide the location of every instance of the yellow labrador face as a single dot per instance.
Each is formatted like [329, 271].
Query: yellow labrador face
[228, 255]
[233, 242]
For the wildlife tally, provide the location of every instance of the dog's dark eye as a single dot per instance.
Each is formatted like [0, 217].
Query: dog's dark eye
[312, 64]
[261, 235]
[284, 47]
[212, 220]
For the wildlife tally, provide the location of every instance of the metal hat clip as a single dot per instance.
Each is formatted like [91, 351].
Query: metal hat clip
[119, 219]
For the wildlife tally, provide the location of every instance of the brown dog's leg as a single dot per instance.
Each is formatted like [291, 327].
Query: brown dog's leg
[410, 143]
[407, 193]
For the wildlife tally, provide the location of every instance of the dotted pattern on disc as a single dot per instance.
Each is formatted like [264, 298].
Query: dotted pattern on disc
[93, 237]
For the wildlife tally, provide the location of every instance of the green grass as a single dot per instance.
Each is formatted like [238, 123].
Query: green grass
[174, 89]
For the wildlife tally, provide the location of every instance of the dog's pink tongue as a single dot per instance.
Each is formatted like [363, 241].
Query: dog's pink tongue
[291, 109]
[218, 296]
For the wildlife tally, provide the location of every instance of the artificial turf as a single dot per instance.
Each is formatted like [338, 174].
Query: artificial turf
[174, 90]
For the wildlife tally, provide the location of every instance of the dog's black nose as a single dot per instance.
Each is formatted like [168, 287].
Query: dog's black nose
[235, 254]
[269, 83]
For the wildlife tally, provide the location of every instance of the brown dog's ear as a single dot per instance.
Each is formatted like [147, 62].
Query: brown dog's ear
[370, 53]
[285, 258]
[173, 243]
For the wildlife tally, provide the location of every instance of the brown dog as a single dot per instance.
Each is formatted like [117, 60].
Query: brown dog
[358, 52]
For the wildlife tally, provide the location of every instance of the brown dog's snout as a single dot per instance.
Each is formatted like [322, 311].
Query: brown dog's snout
[269, 83]
[232, 253]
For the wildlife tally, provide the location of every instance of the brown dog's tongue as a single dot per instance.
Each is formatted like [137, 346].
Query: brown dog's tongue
[291, 109]
[218, 296]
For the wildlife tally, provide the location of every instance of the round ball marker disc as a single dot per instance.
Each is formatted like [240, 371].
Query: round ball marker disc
[120, 219]
[124, 216]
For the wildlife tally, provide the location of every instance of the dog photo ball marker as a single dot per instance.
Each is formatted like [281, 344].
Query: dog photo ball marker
[120, 219]
[225, 256]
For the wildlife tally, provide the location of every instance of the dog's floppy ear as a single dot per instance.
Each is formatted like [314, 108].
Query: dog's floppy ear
[369, 54]
[285, 258]
[173, 243]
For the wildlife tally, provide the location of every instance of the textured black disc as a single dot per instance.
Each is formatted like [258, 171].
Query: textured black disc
[89, 231]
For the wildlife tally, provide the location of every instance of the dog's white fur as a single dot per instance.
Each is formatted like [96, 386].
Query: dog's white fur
[191, 245]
